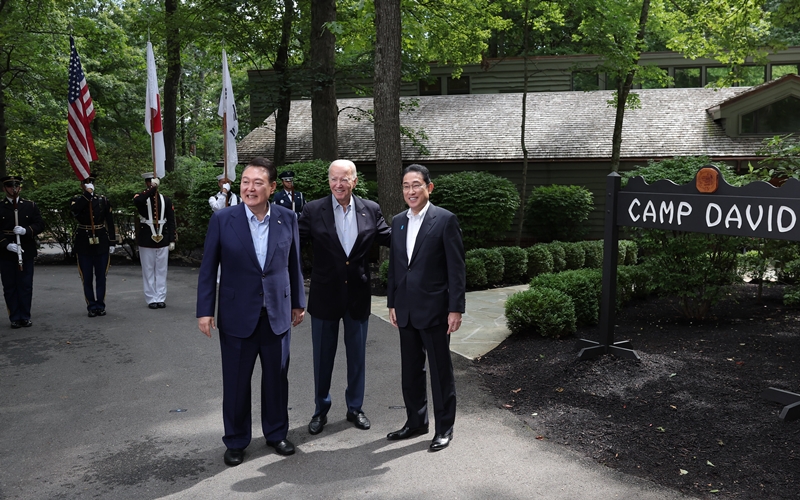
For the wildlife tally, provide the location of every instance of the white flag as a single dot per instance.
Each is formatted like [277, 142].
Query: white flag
[152, 114]
[227, 109]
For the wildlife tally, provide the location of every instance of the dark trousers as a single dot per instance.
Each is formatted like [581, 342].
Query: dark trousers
[325, 339]
[238, 361]
[17, 288]
[414, 344]
[93, 270]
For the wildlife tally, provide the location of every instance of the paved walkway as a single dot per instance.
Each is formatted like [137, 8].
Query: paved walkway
[483, 326]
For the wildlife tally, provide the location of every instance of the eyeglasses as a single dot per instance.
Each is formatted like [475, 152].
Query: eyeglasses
[337, 180]
[412, 187]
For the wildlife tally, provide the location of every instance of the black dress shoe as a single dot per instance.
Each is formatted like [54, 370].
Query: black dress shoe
[407, 432]
[26, 323]
[359, 419]
[283, 447]
[153, 305]
[161, 305]
[441, 441]
[92, 313]
[15, 324]
[317, 424]
[101, 312]
[234, 456]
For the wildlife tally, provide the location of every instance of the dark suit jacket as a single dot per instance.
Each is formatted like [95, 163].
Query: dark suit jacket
[433, 284]
[341, 283]
[30, 218]
[243, 283]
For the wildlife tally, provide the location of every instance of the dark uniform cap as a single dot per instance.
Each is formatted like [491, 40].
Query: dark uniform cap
[288, 175]
[11, 180]
[90, 178]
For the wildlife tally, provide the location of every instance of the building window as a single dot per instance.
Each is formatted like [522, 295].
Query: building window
[458, 85]
[716, 74]
[686, 78]
[431, 86]
[752, 75]
[585, 80]
[779, 70]
[780, 117]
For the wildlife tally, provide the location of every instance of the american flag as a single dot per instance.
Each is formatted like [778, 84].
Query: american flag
[80, 145]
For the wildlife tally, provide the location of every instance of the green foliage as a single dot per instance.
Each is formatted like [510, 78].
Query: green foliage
[383, 273]
[581, 285]
[468, 195]
[476, 273]
[593, 253]
[631, 252]
[540, 260]
[574, 256]
[782, 160]
[556, 249]
[680, 170]
[547, 311]
[311, 179]
[558, 212]
[189, 187]
[693, 267]
[632, 282]
[515, 264]
[53, 201]
[492, 261]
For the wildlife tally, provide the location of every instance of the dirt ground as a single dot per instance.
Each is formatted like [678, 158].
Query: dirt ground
[689, 415]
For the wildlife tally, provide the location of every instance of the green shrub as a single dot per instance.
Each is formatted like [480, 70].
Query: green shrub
[593, 253]
[383, 273]
[558, 212]
[631, 256]
[515, 264]
[549, 312]
[574, 256]
[540, 260]
[559, 256]
[311, 179]
[476, 273]
[632, 282]
[696, 268]
[583, 286]
[492, 261]
[468, 194]
[53, 200]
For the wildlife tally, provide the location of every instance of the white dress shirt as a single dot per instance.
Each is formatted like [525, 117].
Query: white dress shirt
[346, 225]
[414, 223]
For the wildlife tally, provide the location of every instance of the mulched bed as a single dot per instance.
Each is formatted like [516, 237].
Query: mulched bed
[688, 415]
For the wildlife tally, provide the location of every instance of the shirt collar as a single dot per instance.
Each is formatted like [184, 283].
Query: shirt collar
[421, 213]
[336, 204]
[250, 213]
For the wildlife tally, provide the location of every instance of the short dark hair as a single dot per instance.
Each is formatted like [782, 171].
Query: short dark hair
[422, 170]
[266, 164]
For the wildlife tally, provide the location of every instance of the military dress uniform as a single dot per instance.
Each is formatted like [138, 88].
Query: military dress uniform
[93, 237]
[18, 283]
[155, 236]
[291, 199]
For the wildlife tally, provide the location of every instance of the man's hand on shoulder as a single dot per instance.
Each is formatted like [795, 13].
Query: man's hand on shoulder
[206, 324]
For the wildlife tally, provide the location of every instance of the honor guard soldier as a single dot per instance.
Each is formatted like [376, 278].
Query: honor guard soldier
[225, 197]
[288, 197]
[21, 222]
[155, 236]
[94, 242]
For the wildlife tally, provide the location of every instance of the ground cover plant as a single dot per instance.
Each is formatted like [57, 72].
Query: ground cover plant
[689, 414]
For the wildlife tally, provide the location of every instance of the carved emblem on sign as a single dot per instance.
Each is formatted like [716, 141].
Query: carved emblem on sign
[707, 180]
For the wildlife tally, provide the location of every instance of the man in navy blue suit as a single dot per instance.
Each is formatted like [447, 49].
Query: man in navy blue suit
[261, 296]
[426, 298]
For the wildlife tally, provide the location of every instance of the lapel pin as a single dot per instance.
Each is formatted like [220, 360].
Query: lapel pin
[402, 227]
[279, 222]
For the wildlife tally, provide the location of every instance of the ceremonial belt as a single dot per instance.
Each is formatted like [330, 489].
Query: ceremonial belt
[89, 227]
[161, 220]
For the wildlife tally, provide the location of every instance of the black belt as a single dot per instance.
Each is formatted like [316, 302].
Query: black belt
[89, 227]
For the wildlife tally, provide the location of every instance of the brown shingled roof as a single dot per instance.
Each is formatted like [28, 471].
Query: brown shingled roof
[560, 125]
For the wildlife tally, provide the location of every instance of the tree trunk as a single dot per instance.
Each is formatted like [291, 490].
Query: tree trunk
[3, 133]
[285, 91]
[388, 156]
[324, 108]
[171, 84]
[623, 89]
[526, 29]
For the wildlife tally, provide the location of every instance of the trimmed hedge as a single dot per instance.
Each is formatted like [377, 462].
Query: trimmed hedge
[515, 264]
[558, 212]
[547, 311]
[593, 253]
[492, 261]
[383, 273]
[476, 273]
[559, 257]
[540, 260]
[582, 286]
[574, 256]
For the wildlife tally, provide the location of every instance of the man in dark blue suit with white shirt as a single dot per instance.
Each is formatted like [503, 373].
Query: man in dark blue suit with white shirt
[261, 297]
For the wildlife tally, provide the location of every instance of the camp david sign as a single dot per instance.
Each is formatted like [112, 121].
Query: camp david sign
[711, 205]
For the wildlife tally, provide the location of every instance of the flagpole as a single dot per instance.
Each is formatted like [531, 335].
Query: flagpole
[155, 168]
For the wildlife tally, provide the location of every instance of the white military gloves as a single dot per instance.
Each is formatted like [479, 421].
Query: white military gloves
[155, 182]
[172, 246]
[226, 187]
[13, 247]
[89, 187]
[20, 230]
